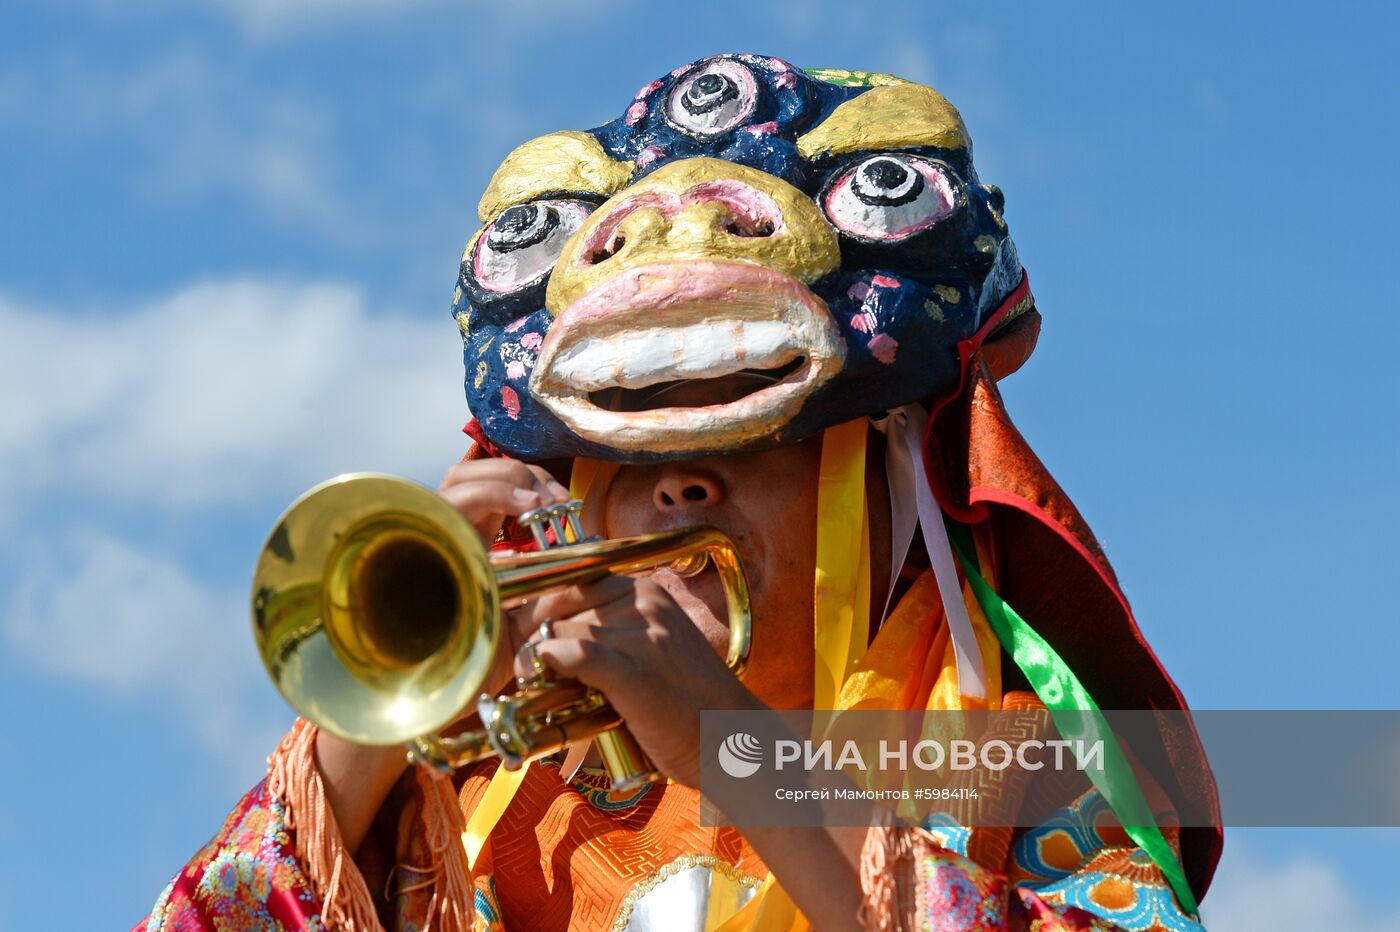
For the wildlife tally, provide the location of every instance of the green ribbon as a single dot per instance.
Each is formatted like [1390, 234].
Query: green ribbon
[1076, 715]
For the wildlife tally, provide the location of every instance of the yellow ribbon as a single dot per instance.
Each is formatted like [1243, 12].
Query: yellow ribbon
[841, 591]
[770, 910]
[501, 790]
[581, 477]
[588, 481]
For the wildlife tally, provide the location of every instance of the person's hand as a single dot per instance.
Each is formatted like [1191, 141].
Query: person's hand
[628, 639]
[486, 492]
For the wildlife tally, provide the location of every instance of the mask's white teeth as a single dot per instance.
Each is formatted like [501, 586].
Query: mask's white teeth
[638, 358]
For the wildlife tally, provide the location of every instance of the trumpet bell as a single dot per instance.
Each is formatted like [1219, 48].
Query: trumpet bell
[375, 609]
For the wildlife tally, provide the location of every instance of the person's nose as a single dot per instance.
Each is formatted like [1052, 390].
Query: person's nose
[680, 489]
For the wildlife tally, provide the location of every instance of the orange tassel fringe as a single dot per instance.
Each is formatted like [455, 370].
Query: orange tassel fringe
[346, 904]
[443, 825]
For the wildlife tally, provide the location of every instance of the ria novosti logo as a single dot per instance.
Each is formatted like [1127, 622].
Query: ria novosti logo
[740, 755]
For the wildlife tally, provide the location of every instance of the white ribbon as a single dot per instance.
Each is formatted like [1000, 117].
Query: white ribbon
[573, 760]
[912, 503]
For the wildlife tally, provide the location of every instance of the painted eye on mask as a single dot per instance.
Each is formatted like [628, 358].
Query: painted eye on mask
[521, 246]
[712, 99]
[889, 197]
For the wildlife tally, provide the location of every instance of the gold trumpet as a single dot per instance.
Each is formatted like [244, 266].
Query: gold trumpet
[377, 612]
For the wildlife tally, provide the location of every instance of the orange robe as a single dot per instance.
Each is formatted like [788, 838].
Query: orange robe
[576, 856]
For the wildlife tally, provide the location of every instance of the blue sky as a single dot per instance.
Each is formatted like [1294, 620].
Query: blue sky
[230, 234]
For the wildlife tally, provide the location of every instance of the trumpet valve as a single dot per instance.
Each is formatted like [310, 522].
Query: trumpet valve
[563, 521]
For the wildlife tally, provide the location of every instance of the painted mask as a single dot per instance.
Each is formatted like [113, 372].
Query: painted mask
[815, 244]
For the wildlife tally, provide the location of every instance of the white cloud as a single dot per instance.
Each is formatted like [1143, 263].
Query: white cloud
[1301, 895]
[222, 393]
[184, 410]
[95, 609]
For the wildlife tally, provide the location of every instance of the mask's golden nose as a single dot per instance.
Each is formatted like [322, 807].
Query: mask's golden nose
[697, 209]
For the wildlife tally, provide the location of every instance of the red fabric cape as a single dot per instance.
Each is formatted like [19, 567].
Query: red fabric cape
[1053, 571]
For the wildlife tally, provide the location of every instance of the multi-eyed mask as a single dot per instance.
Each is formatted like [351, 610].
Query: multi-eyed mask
[814, 245]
